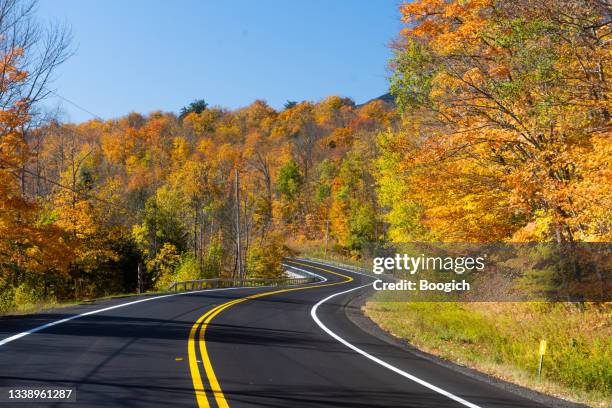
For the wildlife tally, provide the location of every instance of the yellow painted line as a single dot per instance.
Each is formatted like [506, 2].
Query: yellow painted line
[198, 385]
[204, 321]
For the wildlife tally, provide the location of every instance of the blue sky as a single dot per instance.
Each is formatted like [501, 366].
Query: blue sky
[145, 55]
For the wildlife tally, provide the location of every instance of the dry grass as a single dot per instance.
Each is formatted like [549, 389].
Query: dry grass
[502, 339]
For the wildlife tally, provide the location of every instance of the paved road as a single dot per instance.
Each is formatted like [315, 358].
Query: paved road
[239, 348]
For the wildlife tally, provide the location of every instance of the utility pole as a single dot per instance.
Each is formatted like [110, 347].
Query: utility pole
[326, 235]
[238, 250]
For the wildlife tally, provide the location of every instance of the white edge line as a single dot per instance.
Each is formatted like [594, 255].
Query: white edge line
[106, 309]
[313, 313]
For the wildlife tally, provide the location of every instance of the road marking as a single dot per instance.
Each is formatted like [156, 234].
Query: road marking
[203, 322]
[323, 278]
[313, 313]
[369, 275]
[106, 309]
[198, 385]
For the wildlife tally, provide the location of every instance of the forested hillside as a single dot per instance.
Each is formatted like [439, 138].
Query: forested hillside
[501, 133]
[161, 189]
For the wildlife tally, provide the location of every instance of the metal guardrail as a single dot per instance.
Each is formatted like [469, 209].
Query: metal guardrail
[335, 263]
[216, 283]
[237, 283]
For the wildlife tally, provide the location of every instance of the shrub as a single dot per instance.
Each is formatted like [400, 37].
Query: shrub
[264, 260]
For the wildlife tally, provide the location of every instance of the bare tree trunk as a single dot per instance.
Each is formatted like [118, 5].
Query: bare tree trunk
[247, 231]
[195, 229]
[238, 249]
[201, 238]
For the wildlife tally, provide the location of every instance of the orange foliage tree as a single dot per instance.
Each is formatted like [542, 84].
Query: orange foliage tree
[507, 118]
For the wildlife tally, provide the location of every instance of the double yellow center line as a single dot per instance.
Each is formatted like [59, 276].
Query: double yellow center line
[203, 322]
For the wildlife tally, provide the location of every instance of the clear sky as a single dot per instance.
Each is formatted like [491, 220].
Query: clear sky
[145, 55]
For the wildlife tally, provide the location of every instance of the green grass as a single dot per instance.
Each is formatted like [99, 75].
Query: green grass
[502, 339]
[41, 306]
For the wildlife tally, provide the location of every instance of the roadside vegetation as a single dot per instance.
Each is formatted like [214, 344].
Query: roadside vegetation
[502, 339]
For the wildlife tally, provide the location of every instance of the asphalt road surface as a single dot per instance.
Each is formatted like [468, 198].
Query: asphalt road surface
[239, 348]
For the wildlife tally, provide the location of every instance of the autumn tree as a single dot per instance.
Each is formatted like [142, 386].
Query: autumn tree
[500, 100]
[28, 57]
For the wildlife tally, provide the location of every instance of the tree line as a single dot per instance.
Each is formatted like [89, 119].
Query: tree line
[500, 133]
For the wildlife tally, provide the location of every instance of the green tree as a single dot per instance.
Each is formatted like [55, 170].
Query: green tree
[289, 180]
[289, 104]
[197, 107]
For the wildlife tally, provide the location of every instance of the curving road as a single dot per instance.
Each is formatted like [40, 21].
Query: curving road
[270, 347]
